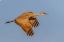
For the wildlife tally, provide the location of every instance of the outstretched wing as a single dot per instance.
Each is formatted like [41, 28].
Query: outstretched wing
[33, 21]
[28, 29]
[25, 25]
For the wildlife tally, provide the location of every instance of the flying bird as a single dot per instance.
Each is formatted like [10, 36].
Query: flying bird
[26, 21]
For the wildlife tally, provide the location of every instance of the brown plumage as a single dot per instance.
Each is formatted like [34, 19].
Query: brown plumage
[34, 22]
[26, 21]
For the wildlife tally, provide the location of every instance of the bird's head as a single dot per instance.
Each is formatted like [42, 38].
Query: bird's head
[43, 13]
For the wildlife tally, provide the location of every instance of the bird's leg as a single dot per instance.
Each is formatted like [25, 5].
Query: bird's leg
[9, 21]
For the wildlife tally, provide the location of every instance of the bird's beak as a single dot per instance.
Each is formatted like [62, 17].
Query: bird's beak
[46, 13]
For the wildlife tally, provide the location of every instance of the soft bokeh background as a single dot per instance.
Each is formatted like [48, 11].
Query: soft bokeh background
[51, 27]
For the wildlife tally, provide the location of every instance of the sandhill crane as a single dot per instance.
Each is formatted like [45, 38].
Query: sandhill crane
[27, 20]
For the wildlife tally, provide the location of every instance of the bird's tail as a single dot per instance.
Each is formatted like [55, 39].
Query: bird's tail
[9, 21]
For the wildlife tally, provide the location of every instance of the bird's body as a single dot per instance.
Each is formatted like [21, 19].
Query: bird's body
[24, 24]
[26, 21]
